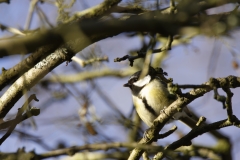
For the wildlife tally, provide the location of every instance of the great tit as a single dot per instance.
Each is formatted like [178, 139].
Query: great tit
[150, 95]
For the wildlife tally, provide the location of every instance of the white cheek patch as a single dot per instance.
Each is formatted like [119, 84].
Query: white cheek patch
[143, 82]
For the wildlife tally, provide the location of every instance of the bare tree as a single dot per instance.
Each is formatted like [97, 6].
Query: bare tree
[72, 98]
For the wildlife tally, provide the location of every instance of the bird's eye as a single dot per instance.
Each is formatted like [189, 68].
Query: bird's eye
[135, 79]
[132, 80]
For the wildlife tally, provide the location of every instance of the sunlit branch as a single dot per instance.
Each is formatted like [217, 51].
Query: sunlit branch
[12, 30]
[10, 75]
[28, 80]
[95, 11]
[201, 120]
[84, 63]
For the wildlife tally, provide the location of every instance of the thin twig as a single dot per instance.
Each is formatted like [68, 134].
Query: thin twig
[16, 71]
[166, 134]
[201, 121]
[198, 130]
[12, 30]
[30, 14]
[101, 146]
[43, 16]
[140, 54]
[128, 9]
[219, 97]
[95, 11]
[228, 103]
[19, 117]
[185, 86]
[83, 63]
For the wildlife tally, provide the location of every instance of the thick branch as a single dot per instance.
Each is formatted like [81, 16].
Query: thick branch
[152, 21]
[5, 1]
[28, 44]
[29, 79]
[10, 75]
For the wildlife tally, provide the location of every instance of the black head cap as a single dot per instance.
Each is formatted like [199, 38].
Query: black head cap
[135, 77]
[132, 79]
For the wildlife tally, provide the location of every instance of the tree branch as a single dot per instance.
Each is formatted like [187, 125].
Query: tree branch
[10, 75]
[74, 78]
[84, 63]
[229, 103]
[166, 134]
[11, 29]
[30, 43]
[101, 146]
[94, 30]
[5, 1]
[19, 117]
[198, 130]
[142, 54]
[128, 9]
[167, 113]
[28, 114]
[95, 11]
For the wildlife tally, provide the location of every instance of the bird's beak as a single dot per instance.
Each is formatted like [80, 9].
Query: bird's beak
[126, 85]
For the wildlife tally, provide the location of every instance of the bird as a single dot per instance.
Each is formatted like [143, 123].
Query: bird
[150, 96]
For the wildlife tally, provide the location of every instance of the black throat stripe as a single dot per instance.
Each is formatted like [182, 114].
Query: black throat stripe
[149, 108]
